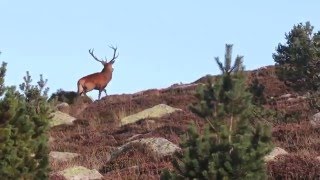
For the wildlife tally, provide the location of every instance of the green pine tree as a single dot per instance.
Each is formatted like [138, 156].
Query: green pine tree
[24, 123]
[230, 147]
[257, 91]
[297, 60]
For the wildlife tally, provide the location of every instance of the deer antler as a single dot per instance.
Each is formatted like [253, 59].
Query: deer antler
[94, 57]
[114, 54]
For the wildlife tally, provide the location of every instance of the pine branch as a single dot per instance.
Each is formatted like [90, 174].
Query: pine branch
[220, 65]
[228, 57]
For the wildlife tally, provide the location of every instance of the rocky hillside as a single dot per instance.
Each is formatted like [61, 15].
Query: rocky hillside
[133, 136]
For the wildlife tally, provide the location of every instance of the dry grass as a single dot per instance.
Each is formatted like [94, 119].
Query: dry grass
[120, 114]
[95, 144]
[294, 166]
[96, 133]
[300, 138]
[135, 163]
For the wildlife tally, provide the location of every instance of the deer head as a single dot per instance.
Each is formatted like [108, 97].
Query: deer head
[107, 65]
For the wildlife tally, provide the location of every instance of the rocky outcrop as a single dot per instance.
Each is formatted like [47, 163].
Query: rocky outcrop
[62, 156]
[159, 147]
[79, 173]
[63, 107]
[315, 120]
[154, 112]
[51, 139]
[274, 153]
[61, 118]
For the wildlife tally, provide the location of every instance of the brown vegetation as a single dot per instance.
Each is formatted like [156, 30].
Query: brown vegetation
[97, 132]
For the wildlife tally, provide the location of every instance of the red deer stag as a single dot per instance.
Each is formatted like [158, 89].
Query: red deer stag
[99, 80]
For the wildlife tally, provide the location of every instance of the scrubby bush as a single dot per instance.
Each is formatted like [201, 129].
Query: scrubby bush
[257, 91]
[64, 96]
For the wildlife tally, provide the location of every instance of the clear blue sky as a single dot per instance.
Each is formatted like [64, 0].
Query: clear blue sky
[160, 42]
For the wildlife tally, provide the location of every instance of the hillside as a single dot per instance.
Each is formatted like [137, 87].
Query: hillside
[104, 141]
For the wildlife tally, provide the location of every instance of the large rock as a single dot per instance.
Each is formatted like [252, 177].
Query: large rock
[62, 156]
[63, 107]
[315, 120]
[286, 96]
[79, 173]
[154, 112]
[61, 118]
[274, 153]
[51, 139]
[159, 147]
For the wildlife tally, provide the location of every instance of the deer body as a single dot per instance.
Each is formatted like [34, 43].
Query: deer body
[97, 81]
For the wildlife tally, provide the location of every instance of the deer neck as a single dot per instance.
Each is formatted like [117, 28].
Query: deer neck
[106, 72]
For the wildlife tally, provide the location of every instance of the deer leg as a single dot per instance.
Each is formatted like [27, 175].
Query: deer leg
[84, 91]
[80, 89]
[99, 94]
[81, 92]
[105, 91]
